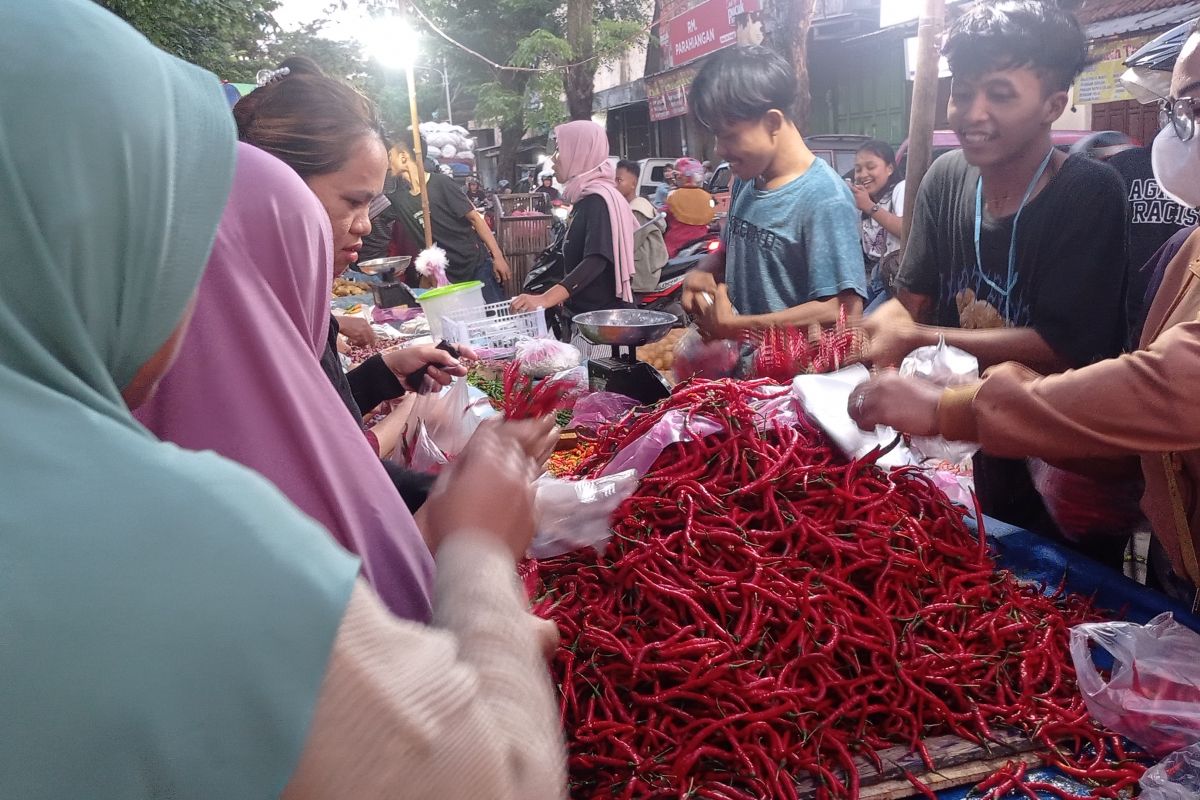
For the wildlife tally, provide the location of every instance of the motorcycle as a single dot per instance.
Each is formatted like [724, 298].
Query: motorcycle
[668, 295]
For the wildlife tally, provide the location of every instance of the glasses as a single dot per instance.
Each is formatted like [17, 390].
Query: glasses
[1181, 114]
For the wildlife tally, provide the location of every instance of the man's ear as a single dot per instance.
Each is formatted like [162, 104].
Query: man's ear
[1056, 104]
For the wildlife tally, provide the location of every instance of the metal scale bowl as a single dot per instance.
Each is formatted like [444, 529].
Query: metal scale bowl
[622, 372]
[389, 292]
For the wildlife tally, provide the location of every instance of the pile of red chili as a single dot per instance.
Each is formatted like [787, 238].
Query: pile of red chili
[767, 610]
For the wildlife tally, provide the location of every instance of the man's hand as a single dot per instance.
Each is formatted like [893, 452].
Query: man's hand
[907, 404]
[501, 269]
[699, 291]
[443, 367]
[528, 302]
[488, 489]
[889, 344]
[357, 330]
[862, 198]
[719, 320]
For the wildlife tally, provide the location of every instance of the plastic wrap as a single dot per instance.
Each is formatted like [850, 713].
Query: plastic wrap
[943, 366]
[675, 426]
[421, 454]
[573, 514]
[1153, 694]
[696, 358]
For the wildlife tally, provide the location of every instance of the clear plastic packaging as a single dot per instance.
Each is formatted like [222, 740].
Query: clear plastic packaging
[697, 358]
[1176, 777]
[1153, 694]
[573, 514]
[943, 366]
[541, 358]
[447, 416]
[600, 408]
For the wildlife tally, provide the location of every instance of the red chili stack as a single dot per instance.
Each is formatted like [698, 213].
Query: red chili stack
[767, 610]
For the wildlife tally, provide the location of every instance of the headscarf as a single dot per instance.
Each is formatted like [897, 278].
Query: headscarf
[248, 383]
[583, 156]
[166, 617]
[690, 173]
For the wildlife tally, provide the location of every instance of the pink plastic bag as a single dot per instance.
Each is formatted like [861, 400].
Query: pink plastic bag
[600, 408]
[1153, 695]
[675, 426]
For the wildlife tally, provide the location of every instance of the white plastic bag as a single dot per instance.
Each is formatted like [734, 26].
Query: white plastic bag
[945, 366]
[1176, 777]
[572, 514]
[422, 454]
[1153, 694]
[826, 398]
[540, 358]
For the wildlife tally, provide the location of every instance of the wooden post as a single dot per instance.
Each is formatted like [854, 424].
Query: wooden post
[419, 153]
[924, 105]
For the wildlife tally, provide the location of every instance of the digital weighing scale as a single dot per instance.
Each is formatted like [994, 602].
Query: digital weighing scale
[622, 372]
[389, 292]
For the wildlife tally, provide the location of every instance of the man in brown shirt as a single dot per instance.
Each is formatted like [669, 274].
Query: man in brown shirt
[1142, 403]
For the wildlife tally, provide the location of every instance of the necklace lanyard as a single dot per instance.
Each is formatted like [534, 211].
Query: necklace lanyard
[1012, 245]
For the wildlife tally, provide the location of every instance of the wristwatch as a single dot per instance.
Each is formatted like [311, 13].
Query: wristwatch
[874, 209]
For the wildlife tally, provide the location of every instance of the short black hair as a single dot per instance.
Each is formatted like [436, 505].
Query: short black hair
[1018, 33]
[404, 141]
[630, 166]
[741, 84]
[880, 149]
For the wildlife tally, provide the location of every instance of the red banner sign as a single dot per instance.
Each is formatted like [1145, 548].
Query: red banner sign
[699, 29]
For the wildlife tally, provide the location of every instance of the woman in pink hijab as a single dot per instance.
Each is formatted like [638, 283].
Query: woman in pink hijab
[248, 382]
[597, 251]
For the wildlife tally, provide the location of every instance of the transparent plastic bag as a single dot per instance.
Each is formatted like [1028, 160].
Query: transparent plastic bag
[1176, 777]
[697, 358]
[943, 366]
[447, 416]
[573, 514]
[422, 455]
[675, 426]
[1153, 694]
[600, 408]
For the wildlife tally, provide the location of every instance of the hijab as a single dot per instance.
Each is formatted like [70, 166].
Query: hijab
[248, 383]
[166, 617]
[583, 157]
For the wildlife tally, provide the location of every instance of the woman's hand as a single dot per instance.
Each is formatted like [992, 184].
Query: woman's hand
[527, 302]
[862, 198]
[907, 404]
[443, 367]
[357, 330]
[488, 489]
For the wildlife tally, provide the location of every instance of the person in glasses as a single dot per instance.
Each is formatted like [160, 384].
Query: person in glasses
[1017, 250]
[1139, 404]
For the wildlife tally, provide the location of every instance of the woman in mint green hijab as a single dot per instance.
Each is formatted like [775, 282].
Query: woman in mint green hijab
[170, 625]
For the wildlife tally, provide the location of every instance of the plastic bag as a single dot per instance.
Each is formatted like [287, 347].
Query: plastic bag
[1176, 777]
[572, 514]
[600, 408]
[696, 358]
[540, 358]
[826, 399]
[1153, 695]
[1084, 507]
[421, 454]
[675, 426]
[944, 366]
[447, 416]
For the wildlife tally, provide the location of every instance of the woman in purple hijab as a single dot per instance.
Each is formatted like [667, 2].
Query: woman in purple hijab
[248, 382]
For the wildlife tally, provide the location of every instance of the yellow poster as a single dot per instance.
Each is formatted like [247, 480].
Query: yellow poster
[1100, 80]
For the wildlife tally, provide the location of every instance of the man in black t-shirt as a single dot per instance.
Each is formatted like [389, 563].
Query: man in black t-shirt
[1017, 251]
[458, 228]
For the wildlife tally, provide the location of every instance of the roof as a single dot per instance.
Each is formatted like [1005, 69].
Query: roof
[1090, 11]
[1145, 20]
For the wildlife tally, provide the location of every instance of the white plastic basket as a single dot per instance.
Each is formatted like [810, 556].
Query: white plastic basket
[494, 327]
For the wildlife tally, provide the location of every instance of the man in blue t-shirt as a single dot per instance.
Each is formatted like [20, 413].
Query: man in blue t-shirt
[792, 254]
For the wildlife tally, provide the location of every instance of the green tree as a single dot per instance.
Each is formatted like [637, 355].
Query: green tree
[224, 36]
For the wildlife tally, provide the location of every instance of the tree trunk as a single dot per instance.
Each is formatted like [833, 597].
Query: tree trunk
[579, 81]
[510, 140]
[801, 22]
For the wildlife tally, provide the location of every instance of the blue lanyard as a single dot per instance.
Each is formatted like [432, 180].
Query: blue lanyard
[1012, 245]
